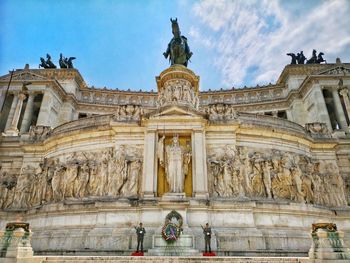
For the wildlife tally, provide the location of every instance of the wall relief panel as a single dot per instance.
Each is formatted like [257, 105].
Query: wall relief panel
[111, 172]
[270, 174]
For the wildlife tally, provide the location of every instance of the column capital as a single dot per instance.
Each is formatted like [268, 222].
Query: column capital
[22, 96]
[344, 92]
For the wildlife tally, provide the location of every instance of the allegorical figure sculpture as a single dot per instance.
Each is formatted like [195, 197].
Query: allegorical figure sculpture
[175, 159]
[178, 50]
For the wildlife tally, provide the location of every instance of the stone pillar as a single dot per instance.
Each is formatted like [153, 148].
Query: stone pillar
[13, 130]
[200, 177]
[345, 93]
[321, 107]
[149, 184]
[339, 110]
[44, 113]
[12, 112]
[28, 114]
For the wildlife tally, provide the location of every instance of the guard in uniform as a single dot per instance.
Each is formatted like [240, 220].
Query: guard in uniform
[140, 231]
[207, 237]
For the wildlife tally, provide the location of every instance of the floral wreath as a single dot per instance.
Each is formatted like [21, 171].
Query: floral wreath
[171, 230]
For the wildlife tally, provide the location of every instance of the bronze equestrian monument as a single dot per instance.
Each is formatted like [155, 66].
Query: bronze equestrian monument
[260, 165]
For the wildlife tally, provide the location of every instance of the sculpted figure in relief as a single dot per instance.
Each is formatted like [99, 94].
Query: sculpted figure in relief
[275, 175]
[22, 196]
[117, 172]
[133, 178]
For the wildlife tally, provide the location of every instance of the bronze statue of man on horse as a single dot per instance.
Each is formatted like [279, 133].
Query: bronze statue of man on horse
[178, 50]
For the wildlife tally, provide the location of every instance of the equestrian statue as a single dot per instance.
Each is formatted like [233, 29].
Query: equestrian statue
[178, 50]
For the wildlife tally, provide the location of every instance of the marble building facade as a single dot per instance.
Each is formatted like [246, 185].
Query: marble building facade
[83, 165]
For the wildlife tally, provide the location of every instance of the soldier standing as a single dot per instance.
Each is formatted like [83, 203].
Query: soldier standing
[140, 231]
[207, 237]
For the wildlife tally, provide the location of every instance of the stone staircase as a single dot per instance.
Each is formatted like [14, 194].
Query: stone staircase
[161, 259]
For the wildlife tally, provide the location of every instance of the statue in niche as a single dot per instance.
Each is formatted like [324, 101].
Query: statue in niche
[176, 159]
[178, 50]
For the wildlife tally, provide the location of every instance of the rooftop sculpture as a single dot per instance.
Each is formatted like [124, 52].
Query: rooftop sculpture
[299, 58]
[178, 50]
[64, 62]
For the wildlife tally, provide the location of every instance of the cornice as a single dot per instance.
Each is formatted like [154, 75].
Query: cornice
[306, 69]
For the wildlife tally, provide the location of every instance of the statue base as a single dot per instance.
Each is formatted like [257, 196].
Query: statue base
[328, 245]
[183, 246]
[10, 132]
[174, 197]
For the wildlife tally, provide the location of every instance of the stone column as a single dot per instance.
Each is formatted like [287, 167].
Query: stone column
[13, 130]
[345, 93]
[28, 114]
[44, 113]
[12, 112]
[339, 110]
[321, 107]
[200, 177]
[149, 184]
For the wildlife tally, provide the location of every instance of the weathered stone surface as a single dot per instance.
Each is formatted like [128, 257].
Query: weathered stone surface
[89, 167]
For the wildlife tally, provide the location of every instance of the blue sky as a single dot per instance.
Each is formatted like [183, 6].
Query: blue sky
[119, 44]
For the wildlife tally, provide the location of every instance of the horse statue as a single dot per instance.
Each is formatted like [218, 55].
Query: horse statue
[66, 62]
[69, 62]
[43, 63]
[320, 58]
[294, 58]
[178, 50]
[49, 62]
[313, 59]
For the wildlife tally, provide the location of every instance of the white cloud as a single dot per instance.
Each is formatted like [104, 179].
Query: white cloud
[257, 35]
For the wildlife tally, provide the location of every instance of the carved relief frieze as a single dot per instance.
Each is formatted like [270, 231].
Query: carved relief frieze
[128, 113]
[178, 91]
[271, 174]
[221, 112]
[318, 129]
[111, 172]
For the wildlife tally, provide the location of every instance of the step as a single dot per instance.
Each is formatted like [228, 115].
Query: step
[167, 259]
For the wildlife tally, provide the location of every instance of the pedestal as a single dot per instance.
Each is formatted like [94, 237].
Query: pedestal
[174, 197]
[15, 243]
[183, 246]
[328, 245]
